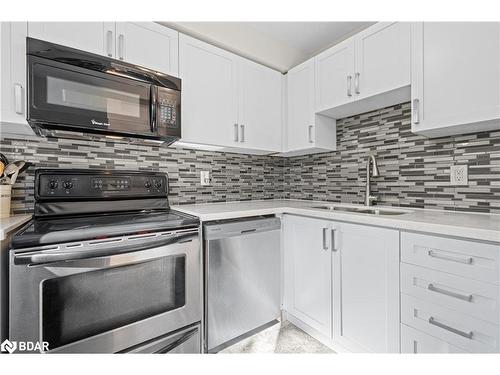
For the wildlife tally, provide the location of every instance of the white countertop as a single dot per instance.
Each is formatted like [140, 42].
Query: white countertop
[478, 226]
[8, 224]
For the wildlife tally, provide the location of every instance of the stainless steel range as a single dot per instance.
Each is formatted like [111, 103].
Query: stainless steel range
[106, 266]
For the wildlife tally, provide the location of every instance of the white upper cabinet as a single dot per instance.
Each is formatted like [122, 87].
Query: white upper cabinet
[308, 272]
[148, 44]
[335, 76]
[142, 43]
[209, 94]
[368, 71]
[382, 59]
[228, 101]
[13, 78]
[95, 37]
[305, 132]
[366, 288]
[260, 107]
[455, 77]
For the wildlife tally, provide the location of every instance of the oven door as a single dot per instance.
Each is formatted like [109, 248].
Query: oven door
[105, 296]
[69, 97]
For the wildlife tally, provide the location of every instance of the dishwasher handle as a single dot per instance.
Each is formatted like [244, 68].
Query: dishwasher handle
[234, 228]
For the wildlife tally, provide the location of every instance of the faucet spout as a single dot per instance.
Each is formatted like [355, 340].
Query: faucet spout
[375, 173]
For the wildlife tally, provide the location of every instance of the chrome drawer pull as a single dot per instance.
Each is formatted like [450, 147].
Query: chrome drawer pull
[432, 288]
[467, 335]
[447, 257]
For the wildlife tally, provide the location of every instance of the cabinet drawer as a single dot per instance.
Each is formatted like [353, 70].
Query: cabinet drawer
[463, 331]
[474, 260]
[414, 341]
[466, 296]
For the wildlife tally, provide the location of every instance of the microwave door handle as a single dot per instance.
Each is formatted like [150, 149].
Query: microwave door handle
[62, 256]
[153, 109]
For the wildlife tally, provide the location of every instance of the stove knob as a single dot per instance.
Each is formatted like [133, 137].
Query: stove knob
[53, 184]
[158, 184]
[67, 184]
[147, 184]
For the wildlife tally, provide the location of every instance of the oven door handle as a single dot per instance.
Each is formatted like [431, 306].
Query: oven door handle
[185, 337]
[42, 257]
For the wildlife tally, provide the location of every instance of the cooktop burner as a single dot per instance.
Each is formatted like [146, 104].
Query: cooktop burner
[74, 205]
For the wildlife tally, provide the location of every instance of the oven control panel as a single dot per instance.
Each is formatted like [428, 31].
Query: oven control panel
[50, 184]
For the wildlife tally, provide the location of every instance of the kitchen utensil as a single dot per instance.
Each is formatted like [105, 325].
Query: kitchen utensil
[4, 159]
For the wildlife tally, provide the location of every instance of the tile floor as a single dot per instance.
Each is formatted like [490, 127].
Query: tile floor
[279, 338]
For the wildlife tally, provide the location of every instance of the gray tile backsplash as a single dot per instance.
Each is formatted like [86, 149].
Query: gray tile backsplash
[414, 169]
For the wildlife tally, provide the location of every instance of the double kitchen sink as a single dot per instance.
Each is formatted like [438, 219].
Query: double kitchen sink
[362, 210]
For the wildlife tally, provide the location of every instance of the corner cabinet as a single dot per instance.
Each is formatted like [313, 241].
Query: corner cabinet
[455, 77]
[341, 283]
[306, 132]
[227, 101]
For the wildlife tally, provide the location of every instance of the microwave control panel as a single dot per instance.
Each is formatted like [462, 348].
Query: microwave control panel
[168, 105]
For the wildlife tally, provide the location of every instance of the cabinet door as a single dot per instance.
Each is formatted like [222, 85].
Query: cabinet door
[335, 76]
[382, 59]
[209, 93]
[260, 107]
[13, 76]
[308, 271]
[455, 77]
[300, 106]
[149, 45]
[95, 37]
[366, 288]
[414, 341]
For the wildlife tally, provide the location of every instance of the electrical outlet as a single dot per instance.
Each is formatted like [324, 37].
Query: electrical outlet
[459, 175]
[205, 178]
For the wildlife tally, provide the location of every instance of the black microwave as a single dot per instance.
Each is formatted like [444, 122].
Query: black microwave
[72, 93]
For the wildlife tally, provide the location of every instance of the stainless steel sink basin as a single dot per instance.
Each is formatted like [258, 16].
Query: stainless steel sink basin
[362, 210]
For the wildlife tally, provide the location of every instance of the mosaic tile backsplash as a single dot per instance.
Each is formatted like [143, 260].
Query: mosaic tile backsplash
[414, 169]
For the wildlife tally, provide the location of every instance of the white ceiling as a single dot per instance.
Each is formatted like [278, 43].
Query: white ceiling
[279, 45]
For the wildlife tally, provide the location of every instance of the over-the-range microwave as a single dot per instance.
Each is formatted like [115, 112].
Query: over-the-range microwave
[76, 94]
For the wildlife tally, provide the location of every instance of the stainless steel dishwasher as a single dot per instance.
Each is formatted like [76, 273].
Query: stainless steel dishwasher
[242, 279]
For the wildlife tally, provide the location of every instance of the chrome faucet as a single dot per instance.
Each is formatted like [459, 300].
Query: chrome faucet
[371, 160]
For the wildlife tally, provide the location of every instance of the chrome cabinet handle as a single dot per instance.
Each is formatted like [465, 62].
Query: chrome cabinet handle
[349, 84]
[236, 132]
[334, 248]
[325, 245]
[433, 254]
[18, 98]
[242, 138]
[433, 288]
[416, 109]
[356, 83]
[109, 43]
[309, 129]
[121, 46]
[450, 329]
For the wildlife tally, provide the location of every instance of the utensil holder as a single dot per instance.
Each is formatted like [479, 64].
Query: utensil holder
[5, 195]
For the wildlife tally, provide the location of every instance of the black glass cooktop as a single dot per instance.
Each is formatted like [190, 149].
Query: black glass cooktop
[76, 228]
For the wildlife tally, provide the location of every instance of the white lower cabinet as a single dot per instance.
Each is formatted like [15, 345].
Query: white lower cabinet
[415, 341]
[308, 272]
[342, 280]
[366, 288]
